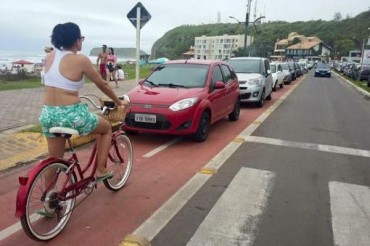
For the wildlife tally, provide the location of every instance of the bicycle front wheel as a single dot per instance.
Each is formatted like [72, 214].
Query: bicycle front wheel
[119, 161]
[46, 214]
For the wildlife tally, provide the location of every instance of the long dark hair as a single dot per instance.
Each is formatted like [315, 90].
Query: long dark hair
[112, 50]
[65, 35]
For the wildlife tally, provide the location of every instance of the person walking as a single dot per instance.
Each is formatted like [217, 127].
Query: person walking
[111, 64]
[64, 77]
[103, 62]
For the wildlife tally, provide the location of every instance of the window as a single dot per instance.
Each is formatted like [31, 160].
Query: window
[216, 75]
[227, 74]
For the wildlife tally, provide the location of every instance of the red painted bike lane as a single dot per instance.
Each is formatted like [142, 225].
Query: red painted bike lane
[106, 217]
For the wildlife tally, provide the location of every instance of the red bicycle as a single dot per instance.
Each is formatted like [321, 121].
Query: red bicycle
[52, 189]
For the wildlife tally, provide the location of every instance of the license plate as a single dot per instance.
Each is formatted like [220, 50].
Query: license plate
[147, 118]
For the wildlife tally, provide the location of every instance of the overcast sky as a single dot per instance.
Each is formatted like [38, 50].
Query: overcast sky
[26, 25]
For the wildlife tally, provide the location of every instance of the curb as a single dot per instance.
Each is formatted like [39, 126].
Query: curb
[18, 148]
[359, 90]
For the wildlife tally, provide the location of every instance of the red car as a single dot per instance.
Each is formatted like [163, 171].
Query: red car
[184, 97]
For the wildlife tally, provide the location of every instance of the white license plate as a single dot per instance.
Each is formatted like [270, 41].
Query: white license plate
[147, 118]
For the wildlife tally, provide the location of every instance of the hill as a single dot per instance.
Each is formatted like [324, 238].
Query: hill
[120, 52]
[342, 35]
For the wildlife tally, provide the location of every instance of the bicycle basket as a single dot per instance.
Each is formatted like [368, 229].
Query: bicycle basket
[118, 114]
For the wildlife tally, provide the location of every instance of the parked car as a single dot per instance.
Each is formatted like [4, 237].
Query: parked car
[293, 70]
[303, 66]
[322, 69]
[184, 97]
[298, 68]
[287, 74]
[255, 78]
[277, 75]
[361, 72]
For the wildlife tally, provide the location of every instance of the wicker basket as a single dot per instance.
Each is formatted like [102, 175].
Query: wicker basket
[118, 114]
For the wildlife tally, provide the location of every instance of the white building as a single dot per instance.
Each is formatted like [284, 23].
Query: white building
[218, 47]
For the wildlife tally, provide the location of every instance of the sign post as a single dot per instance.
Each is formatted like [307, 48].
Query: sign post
[138, 16]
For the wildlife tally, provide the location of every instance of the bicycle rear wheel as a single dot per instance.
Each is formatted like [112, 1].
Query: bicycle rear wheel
[119, 161]
[46, 215]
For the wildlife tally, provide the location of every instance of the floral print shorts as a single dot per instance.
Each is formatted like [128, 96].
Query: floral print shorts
[76, 116]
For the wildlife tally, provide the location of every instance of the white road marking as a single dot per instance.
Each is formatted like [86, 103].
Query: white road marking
[235, 217]
[10, 230]
[310, 146]
[155, 223]
[350, 212]
[162, 147]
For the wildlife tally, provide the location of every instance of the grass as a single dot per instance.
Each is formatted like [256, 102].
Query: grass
[359, 83]
[35, 128]
[35, 82]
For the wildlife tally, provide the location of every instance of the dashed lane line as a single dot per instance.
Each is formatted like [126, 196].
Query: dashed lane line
[310, 146]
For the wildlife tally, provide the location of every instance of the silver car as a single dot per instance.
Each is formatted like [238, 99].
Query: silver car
[255, 79]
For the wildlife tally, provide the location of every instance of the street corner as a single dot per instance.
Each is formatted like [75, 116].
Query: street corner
[21, 147]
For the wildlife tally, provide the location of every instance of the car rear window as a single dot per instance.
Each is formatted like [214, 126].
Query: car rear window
[323, 65]
[273, 68]
[245, 66]
[186, 75]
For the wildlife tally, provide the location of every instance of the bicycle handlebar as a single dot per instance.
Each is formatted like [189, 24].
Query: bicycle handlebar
[105, 108]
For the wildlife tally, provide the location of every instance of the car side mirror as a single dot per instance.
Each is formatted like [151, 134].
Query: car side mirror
[219, 85]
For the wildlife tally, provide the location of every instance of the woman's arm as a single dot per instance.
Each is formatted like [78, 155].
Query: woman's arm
[89, 70]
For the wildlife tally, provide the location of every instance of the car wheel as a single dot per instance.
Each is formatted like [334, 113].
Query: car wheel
[274, 88]
[234, 116]
[128, 132]
[269, 97]
[262, 100]
[203, 128]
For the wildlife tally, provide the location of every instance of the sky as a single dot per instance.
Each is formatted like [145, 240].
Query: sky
[26, 25]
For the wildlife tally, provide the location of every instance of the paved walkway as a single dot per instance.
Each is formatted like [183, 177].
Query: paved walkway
[20, 109]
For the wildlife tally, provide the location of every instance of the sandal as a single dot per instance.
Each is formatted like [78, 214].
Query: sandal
[108, 175]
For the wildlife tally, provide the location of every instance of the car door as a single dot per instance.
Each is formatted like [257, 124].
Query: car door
[230, 89]
[216, 96]
[268, 75]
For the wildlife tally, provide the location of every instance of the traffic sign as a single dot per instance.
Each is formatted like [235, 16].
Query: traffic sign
[144, 15]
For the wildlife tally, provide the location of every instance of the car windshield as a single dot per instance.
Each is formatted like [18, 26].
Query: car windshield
[284, 66]
[323, 66]
[179, 75]
[273, 68]
[245, 66]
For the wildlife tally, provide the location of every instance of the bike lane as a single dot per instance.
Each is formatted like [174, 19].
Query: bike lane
[106, 217]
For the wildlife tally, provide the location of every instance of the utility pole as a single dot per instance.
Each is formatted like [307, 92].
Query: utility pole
[246, 26]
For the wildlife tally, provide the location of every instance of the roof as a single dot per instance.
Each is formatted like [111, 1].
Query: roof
[303, 45]
[194, 61]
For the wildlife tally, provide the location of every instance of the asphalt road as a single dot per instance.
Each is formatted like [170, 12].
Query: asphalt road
[309, 164]
[293, 173]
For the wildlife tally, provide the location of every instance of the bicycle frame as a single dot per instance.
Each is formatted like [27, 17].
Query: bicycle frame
[73, 164]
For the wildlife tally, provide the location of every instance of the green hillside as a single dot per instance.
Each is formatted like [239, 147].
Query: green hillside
[342, 35]
[120, 52]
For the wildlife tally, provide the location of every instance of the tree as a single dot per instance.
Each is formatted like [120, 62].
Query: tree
[337, 16]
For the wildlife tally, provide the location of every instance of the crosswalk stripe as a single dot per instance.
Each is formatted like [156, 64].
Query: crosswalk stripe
[236, 215]
[311, 146]
[350, 211]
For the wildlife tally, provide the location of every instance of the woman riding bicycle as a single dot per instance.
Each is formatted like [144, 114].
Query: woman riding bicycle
[64, 76]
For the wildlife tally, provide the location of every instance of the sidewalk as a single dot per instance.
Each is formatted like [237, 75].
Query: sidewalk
[20, 110]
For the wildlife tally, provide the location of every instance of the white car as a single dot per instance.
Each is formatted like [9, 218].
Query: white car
[255, 79]
[277, 76]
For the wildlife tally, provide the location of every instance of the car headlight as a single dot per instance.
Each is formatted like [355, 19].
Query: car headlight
[254, 82]
[183, 104]
[125, 97]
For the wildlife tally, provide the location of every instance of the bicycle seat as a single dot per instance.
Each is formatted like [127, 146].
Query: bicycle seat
[63, 131]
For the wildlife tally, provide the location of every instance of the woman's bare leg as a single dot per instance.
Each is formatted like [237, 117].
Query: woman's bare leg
[104, 130]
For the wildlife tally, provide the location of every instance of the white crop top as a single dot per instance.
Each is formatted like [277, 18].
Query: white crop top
[54, 78]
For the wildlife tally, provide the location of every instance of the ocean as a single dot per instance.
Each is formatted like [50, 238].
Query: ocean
[7, 57]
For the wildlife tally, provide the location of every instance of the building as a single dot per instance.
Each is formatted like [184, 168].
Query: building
[218, 47]
[189, 54]
[300, 47]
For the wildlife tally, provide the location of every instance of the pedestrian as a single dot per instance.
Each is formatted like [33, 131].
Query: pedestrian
[102, 57]
[65, 70]
[111, 64]
[120, 74]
